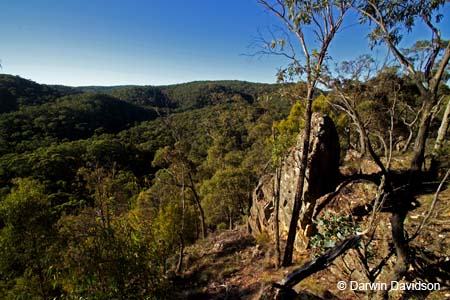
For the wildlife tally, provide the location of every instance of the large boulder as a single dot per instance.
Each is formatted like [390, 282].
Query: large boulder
[322, 176]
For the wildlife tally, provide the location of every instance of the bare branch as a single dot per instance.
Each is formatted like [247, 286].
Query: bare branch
[431, 209]
[437, 108]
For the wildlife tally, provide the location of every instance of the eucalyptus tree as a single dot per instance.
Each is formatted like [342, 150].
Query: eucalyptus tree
[424, 63]
[323, 19]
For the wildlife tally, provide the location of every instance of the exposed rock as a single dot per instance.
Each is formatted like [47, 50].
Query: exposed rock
[322, 175]
[217, 247]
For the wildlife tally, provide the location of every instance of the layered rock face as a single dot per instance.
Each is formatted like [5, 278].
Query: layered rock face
[322, 175]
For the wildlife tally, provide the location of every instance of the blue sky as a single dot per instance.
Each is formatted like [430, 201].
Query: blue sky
[146, 42]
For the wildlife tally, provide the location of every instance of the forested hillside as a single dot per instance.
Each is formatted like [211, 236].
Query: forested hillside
[100, 186]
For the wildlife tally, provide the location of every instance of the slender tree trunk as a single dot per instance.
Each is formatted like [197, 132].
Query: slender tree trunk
[181, 255]
[419, 144]
[276, 221]
[347, 138]
[410, 128]
[439, 139]
[391, 133]
[183, 207]
[39, 271]
[443, 128]
[408, 141]
[289, 249]
[199, 206]
[401, 204]
[401, 249]
[362, 141]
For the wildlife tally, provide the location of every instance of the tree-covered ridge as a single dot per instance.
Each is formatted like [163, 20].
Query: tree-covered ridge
[36, 115]
[68, 118]
[16, 92]
[200, 93]
[187, 96]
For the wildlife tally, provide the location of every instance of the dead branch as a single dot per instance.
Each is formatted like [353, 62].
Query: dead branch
[323, 201]
[433, 204]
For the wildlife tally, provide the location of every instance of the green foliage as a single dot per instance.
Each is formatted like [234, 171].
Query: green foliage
[26, 241]
[227, 194]
[203, 93]
[109, 259]
[147, 96]
[108, 255]
[8, 102]
[398, 17]
[98, 192]
[167, 227]
[69, 118]
[333, 228]
[286, 131]
[187, 96]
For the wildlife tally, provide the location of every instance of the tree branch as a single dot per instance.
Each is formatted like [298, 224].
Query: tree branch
[430, 211]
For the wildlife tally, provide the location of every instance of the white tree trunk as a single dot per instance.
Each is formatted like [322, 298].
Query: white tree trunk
[442, 129]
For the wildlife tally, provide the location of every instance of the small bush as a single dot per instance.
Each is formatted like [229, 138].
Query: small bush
[332, 229]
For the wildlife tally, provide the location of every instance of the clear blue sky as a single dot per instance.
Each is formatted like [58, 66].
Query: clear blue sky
[146, 42]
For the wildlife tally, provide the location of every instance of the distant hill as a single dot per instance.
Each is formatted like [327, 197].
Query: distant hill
[101, 88]
[33, 115]
[68, 118]
[186, 96]
[16, 92]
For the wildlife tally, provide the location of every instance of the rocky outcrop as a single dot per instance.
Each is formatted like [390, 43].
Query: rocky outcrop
[322, 175]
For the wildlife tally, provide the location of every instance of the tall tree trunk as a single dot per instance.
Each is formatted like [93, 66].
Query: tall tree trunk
[199, 206]
[276, 221]
[362, 141]
[181, 235]
[439, 139]
[39, 271]
[443, 128]
[180, 255]
[401, 248]
[408, 140]
[401, 204]
[289, 249]
[419, 144]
